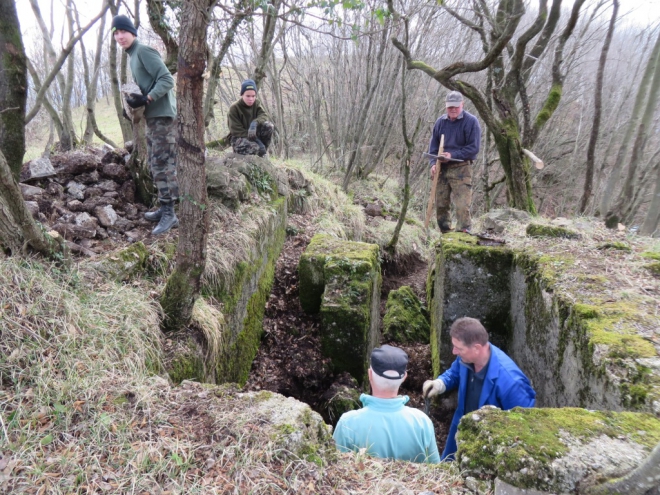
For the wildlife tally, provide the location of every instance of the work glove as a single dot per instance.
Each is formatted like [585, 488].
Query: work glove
[136, 100]
[433, 387]
[252, 131]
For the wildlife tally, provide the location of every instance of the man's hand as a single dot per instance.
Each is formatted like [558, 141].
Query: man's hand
[252, 131]
[136, 100]
[433, 387]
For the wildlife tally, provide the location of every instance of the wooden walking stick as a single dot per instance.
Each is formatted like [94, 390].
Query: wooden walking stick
[429, 208]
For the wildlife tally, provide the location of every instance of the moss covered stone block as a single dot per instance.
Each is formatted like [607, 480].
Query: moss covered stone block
[575, 354]
[406, 319]
[468, 280]
[554, 450]
[341, 280]
[537, 230]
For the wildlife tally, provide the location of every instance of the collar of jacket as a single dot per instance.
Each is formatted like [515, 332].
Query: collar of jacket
[460, 116]
[385, 405]
[133, 47]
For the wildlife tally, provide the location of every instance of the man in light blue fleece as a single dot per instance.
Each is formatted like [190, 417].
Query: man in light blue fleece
[385, 426]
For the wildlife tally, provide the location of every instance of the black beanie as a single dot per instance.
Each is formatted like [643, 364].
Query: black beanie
[124, 23]
[248, 84]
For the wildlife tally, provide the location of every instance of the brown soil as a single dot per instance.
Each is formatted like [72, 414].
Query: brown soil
[290, 361]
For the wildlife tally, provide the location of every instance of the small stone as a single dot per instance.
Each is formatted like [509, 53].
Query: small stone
[31, 193]
[76, 190]
[37, 169]
[106, 214]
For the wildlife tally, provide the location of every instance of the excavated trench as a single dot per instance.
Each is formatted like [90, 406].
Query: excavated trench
[290, 361]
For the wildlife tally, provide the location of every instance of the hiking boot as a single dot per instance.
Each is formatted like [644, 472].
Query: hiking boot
[262, 148]
[168, 219]
[154, 216]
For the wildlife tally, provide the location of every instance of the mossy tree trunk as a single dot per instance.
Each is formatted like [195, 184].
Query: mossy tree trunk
[160, 25]
[183, 285]
[512, 129]
[17, 227]
[13, 87]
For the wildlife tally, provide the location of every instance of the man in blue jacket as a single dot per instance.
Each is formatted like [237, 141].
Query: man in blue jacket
[461, 147]
[385, 426]
[483, 374]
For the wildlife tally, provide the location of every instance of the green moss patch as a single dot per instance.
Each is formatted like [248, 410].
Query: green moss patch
[617, 246]
[654, 268]
[406, 319]
[519, 445]
[538, 230]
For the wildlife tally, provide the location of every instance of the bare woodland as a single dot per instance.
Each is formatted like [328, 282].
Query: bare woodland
[556, 79]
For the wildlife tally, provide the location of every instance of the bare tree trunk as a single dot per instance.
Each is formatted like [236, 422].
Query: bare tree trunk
[13, 88]
[54, 116]
[640, 98]
[91, 82]
[405, 161]
[595, 128]
[23, 223]
[55, 70]
[620, 212]
[241, 13]
[138, 162]
[160, 25]
[125, 125]
[183, 285]
[68, 140]
[270, 22]
[651, 225]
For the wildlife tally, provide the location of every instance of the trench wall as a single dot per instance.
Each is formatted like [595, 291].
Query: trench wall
[243, 301]
[549, 337]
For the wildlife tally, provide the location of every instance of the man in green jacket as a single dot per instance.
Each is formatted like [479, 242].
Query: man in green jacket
[156, 84]
[249, 129]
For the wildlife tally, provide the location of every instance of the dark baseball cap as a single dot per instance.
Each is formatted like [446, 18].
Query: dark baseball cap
[388, 358]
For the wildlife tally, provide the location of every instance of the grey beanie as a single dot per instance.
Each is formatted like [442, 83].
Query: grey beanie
[124, 23]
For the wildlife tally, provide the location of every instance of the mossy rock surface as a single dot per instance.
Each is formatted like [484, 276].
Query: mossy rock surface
[654, 268]
[124, 264]
[406, 319]
[553, 450]
[357, 257]
[538, 230]
[341, 280]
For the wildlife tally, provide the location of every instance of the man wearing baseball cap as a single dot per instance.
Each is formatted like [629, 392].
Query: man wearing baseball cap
[461, 147]
[385, 426]
[156, 83]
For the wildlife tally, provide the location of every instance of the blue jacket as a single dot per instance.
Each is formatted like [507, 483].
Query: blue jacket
[462, 136]
[505, 386]
[388, 429]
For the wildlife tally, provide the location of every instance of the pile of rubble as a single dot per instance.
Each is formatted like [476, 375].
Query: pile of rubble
[87, 197]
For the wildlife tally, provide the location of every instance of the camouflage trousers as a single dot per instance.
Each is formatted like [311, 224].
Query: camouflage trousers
[161, 155]
[455, 182]
[243, 146]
